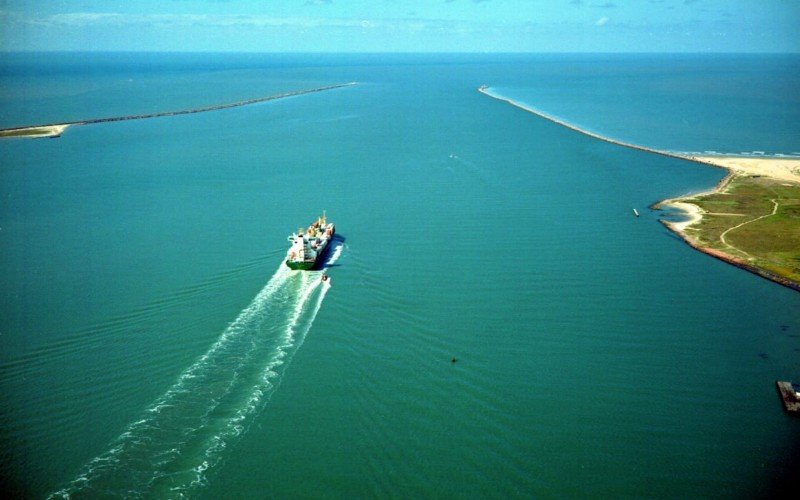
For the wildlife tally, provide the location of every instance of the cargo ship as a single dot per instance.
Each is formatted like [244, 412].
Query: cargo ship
[309, 245]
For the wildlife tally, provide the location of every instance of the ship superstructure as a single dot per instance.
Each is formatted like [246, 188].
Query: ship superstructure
[309, 245]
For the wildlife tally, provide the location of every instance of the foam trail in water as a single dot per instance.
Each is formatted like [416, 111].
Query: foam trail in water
[183, 433]
[335, 252]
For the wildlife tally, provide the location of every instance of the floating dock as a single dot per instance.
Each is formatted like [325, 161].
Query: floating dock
[790, 396]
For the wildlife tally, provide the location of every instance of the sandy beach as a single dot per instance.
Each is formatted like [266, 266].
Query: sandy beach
[35, 132]
[693, 212]
[785, 169]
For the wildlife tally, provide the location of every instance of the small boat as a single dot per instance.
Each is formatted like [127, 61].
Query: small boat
[635, 212]
[308, 246]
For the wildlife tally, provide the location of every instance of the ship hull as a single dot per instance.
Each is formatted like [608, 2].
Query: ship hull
[301, 266]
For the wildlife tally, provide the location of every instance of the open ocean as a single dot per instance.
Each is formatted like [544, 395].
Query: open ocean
[153, 345]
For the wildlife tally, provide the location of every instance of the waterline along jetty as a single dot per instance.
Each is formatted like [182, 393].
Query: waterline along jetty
[53, 130]
[485, 90]
[308, 246]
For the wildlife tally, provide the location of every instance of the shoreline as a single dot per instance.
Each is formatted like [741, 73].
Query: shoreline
[694, 214]
[54, 130]
[782, 169]
[485, 91]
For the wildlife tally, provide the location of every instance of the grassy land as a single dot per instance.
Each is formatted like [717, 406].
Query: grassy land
[756, 219]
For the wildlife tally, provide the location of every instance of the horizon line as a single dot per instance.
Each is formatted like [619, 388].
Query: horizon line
[298, 52]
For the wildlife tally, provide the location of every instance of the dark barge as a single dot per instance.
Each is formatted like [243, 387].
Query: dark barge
[790, 395]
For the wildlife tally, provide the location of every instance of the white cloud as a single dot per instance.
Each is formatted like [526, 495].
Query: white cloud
[600, 22]
[84, 19]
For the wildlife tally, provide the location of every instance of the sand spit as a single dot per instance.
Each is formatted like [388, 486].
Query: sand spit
[46, 131]
[54, 130]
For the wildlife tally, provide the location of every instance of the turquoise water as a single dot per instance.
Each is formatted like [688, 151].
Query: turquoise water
[151, 343]
[726, 104]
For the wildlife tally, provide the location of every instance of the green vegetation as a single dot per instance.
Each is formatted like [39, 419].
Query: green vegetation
[756, 219]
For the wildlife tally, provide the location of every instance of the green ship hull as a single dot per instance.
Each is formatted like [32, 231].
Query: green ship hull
[301, 266]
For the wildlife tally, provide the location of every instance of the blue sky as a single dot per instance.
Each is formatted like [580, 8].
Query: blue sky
[402, 25]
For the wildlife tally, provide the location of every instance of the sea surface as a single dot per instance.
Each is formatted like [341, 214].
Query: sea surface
[497, 322]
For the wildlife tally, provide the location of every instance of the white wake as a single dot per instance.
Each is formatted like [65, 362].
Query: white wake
[168, 451]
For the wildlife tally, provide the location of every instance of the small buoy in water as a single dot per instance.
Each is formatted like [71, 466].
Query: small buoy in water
[324, 277]
[635, 212]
